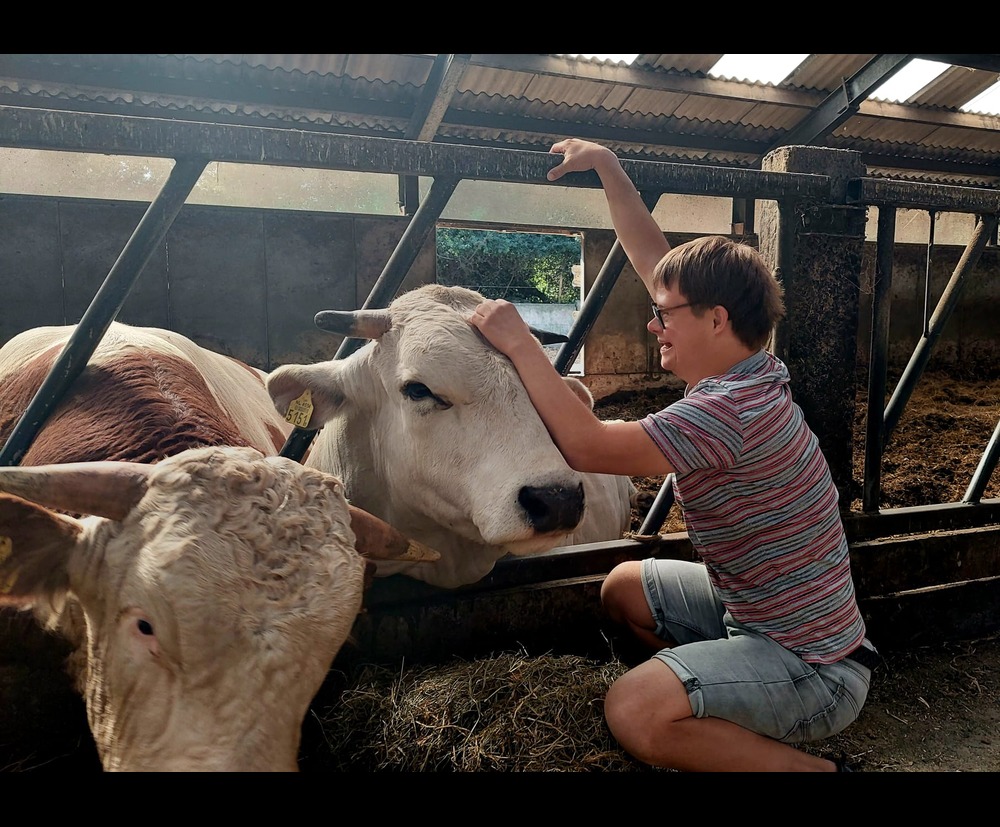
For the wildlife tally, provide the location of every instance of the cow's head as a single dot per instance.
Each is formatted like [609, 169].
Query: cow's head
[214, 592]
[430, 428]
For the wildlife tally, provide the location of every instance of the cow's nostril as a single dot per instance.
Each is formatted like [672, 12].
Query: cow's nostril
[552, 507]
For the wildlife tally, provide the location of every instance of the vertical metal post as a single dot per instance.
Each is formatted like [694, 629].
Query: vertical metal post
[927, 272]
[878, 356]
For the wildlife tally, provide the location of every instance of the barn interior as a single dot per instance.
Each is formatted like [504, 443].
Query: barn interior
[432, 121]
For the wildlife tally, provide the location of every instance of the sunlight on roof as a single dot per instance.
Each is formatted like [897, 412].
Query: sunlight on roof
[756, 68]
[986, 102]
[909, 80]
[622, 58]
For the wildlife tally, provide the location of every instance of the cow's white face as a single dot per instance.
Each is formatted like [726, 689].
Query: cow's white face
[431, 429]
[212, 611]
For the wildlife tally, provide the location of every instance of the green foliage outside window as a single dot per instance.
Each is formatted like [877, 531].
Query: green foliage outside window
[519, 267]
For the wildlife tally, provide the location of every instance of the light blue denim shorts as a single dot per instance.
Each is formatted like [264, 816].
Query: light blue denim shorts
[745, 677]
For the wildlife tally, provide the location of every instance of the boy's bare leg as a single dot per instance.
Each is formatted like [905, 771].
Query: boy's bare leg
[648, 712]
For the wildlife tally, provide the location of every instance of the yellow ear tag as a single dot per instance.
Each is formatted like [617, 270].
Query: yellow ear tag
[6, 549]
[300, 410]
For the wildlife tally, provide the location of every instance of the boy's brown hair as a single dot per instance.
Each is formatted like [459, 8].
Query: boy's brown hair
[715, 270]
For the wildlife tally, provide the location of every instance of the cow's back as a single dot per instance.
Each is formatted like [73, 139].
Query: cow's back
[146, 393]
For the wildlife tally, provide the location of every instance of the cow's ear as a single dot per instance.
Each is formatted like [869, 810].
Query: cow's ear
[581, 390]
[308, 396]
[36, 545]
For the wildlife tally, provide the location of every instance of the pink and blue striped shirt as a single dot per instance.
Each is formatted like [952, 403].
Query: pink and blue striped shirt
[761, 508]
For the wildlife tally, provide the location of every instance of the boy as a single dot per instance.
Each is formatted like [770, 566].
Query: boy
[762, 646]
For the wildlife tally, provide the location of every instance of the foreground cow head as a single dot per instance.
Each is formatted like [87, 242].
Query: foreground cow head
[431, 429]
[209, 600]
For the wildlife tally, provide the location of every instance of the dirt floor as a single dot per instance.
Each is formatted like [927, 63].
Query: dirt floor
[935, 709]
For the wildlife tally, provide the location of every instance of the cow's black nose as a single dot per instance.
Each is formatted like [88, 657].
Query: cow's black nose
[552, 507]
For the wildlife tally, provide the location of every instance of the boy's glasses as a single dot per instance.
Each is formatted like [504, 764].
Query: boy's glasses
[658, 311]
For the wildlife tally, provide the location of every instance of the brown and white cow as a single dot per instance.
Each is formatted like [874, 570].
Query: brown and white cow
[207, 594]
[431, 429]
[145, 394]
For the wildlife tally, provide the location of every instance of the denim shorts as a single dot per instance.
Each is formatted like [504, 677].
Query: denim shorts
[743, 676]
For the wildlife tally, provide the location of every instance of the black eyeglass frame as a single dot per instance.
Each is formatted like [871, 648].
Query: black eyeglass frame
[659, 311]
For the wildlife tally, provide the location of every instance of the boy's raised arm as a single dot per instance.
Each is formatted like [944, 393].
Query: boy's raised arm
[641, 238]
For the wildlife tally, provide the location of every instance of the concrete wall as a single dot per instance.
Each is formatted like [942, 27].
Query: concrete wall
[247, 282]
[969, 343]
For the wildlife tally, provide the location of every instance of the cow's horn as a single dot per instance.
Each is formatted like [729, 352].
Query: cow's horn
[547, 337]
[105, 488]
[378, 540]
[358, 324]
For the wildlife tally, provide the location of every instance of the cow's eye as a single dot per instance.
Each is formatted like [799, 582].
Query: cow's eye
[418, 390]
[144, 626]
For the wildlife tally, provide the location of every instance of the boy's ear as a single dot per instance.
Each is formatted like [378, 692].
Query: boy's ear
[719, 316]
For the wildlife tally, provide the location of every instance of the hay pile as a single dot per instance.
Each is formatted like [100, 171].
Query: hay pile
[506, 713]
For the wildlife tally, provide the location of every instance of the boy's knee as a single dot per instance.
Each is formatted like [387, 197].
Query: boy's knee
[618, 591]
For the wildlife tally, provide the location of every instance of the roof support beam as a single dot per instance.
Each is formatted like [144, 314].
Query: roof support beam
[435, 96]
[844, 102]
[437, 93]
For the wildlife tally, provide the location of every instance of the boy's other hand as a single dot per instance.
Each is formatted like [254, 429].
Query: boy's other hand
[578, 156]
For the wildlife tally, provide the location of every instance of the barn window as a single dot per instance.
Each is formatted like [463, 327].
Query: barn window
[542, 273]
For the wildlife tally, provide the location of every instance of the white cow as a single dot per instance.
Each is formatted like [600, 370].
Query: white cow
[431, 429]
[207, 603]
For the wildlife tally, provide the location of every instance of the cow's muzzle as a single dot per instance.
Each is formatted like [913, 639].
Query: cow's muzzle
[552, 507]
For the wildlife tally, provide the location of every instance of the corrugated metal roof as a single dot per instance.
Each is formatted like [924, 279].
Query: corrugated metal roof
[664, 107]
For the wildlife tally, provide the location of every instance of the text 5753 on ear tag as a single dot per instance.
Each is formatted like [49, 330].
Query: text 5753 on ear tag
[300, 410]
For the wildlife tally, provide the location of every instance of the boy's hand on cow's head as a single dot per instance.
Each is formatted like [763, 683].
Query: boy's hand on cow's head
[502, 326]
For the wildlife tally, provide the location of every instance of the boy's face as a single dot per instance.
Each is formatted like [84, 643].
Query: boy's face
[682, 336]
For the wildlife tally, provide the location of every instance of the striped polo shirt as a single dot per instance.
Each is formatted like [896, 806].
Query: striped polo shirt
[761, 508]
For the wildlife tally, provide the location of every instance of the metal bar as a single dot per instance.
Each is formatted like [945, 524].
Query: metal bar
[987, 465]
[920, 518]
[878, 357]
[945, 307]
[148, 235]
[927, 273]
[153, 137]
[877, 192]
[658, 511]
[843, 102]
[407, 248]
[597, 297]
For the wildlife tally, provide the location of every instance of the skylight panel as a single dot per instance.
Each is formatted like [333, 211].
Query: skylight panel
[986, 102]
[909, 80]
[756, 68]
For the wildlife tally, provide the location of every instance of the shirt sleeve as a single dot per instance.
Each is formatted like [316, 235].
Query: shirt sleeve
[702, 430]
